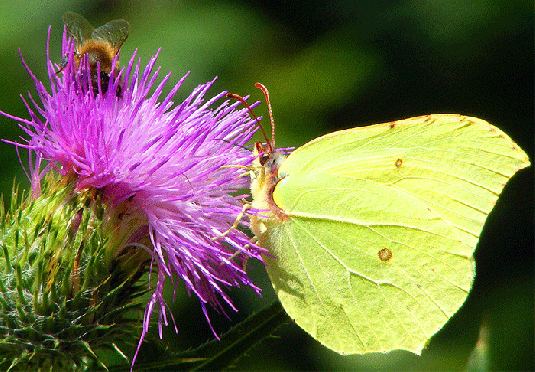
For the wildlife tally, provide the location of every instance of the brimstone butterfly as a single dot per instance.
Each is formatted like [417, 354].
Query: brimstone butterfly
[372, 229]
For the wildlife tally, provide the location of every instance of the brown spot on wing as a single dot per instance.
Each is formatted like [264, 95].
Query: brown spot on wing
[385, 254]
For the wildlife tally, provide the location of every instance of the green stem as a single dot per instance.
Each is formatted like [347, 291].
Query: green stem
[216, 355]
[245, 335]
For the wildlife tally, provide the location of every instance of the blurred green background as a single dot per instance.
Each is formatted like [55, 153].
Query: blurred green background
[333, 65]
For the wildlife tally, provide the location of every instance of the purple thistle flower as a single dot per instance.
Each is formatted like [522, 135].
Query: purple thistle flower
[166, 172]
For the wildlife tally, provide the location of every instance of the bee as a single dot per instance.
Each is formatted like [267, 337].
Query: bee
[99, 45]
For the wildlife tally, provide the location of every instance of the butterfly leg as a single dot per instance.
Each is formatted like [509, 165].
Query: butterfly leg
[245, 208]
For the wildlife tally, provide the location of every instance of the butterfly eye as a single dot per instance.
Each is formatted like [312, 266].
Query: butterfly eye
[263, 159]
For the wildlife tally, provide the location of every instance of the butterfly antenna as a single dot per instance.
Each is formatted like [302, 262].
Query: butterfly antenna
[266, 94]
[240, 99]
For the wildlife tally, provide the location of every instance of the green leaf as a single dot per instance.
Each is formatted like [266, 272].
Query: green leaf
[373, 229]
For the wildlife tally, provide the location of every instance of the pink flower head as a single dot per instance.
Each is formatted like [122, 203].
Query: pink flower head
[177, 166]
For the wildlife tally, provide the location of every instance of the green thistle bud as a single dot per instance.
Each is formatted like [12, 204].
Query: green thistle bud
[69, 289]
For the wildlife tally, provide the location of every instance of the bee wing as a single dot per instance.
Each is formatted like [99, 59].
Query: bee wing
[113, 32]
[78, 27]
